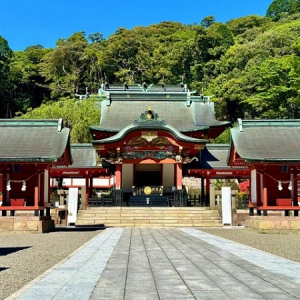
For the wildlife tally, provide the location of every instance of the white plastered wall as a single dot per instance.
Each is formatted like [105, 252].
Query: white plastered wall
[127, 177]
[168, 177]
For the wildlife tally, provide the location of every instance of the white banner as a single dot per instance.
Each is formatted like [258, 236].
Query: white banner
[226, 206]
[72, 205]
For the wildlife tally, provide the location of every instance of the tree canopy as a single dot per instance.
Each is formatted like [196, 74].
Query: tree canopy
[250, 66]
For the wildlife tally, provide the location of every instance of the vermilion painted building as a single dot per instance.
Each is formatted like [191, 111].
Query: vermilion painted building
[151, 136]
[28, 148]
[270, 149]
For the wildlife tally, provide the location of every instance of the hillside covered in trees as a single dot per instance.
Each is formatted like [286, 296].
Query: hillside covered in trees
[250, 66]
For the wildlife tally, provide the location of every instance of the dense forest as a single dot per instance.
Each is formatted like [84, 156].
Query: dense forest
[250, 66]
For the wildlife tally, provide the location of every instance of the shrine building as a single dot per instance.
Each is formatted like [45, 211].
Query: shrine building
[28, 148]
[270, 149]
[150, 137]
[150, 142]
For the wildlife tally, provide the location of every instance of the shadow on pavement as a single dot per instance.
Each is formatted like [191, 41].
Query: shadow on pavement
[9, 250]
[80, 228]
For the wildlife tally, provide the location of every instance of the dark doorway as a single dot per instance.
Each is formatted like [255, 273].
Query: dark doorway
[146, 175]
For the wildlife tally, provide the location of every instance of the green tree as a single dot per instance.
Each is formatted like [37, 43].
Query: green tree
[281, 8]
[207, 21]
[5, 56]
[27, 86]
[68, 67]
[77, 115]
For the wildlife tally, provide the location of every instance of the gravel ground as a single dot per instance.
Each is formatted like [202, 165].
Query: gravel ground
[284, 245]
[25, 256]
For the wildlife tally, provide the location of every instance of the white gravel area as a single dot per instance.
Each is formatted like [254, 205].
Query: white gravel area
[25, 256]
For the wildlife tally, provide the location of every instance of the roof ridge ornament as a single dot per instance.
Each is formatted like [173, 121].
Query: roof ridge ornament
[149, 116]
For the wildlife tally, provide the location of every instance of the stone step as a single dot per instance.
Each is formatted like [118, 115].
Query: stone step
[150, 216]
[170, 223]
[93, 215]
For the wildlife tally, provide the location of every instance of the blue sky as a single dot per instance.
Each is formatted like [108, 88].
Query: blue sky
[26, 23]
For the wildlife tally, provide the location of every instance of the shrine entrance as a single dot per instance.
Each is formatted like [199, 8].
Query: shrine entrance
[147, 175]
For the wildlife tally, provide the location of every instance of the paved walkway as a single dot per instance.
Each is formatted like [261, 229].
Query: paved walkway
[166, 263]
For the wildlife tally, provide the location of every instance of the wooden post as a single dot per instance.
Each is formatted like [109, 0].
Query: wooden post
[179, 176]
[36, 199]
[118, 175]
[212, 197]
[265, 199]
[294, 192]
[207, 185]
[202, 189]
[87, 184]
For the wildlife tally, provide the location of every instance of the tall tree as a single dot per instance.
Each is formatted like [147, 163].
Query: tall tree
[28, 87]
[77, 115]
[281, 8]
[5, 56]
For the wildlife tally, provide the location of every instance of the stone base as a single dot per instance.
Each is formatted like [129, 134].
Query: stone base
[26, 224]
[240, 216]
[274, 224]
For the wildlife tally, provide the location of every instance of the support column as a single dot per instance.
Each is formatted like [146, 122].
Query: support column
[6, 199]
[46, 187]
[178, 176]
[212, 197]
[91, 186]
[207, 185]
[294, 191]
[47, 192]
[36, 199]
[265, 194]
[118, 175]
[202, 189]
[87, 184]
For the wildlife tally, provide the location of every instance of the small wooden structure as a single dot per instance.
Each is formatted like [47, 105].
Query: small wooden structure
[28, 148]
[271, 151]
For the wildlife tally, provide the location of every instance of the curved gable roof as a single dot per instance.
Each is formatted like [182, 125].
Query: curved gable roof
[33, 140]
[267, 140]
[197, 116]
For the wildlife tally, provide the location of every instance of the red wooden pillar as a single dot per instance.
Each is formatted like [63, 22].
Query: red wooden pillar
[36, 196]
[202, 188]
[265, 193]
[178, 176]
[294, 191]
[41, 188]
[118, 175]
[91, 186]
[87, 184]
[207, 186]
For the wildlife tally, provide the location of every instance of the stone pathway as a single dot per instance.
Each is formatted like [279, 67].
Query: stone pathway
[166, 264]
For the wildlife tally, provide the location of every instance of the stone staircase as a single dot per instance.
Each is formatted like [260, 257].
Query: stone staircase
[150, 217]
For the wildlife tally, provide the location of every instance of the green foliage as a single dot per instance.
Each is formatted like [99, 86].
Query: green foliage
[5, 56]
[282, 8]
[251, 65]
[241, 25]
[76, 114]
[208, 21]
[223, 138]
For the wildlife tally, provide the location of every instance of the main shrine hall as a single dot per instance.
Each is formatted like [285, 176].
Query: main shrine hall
[150, 140]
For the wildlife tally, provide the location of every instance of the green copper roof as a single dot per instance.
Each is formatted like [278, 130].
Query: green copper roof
[197, 116]
[32, 140]
[267, 140]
